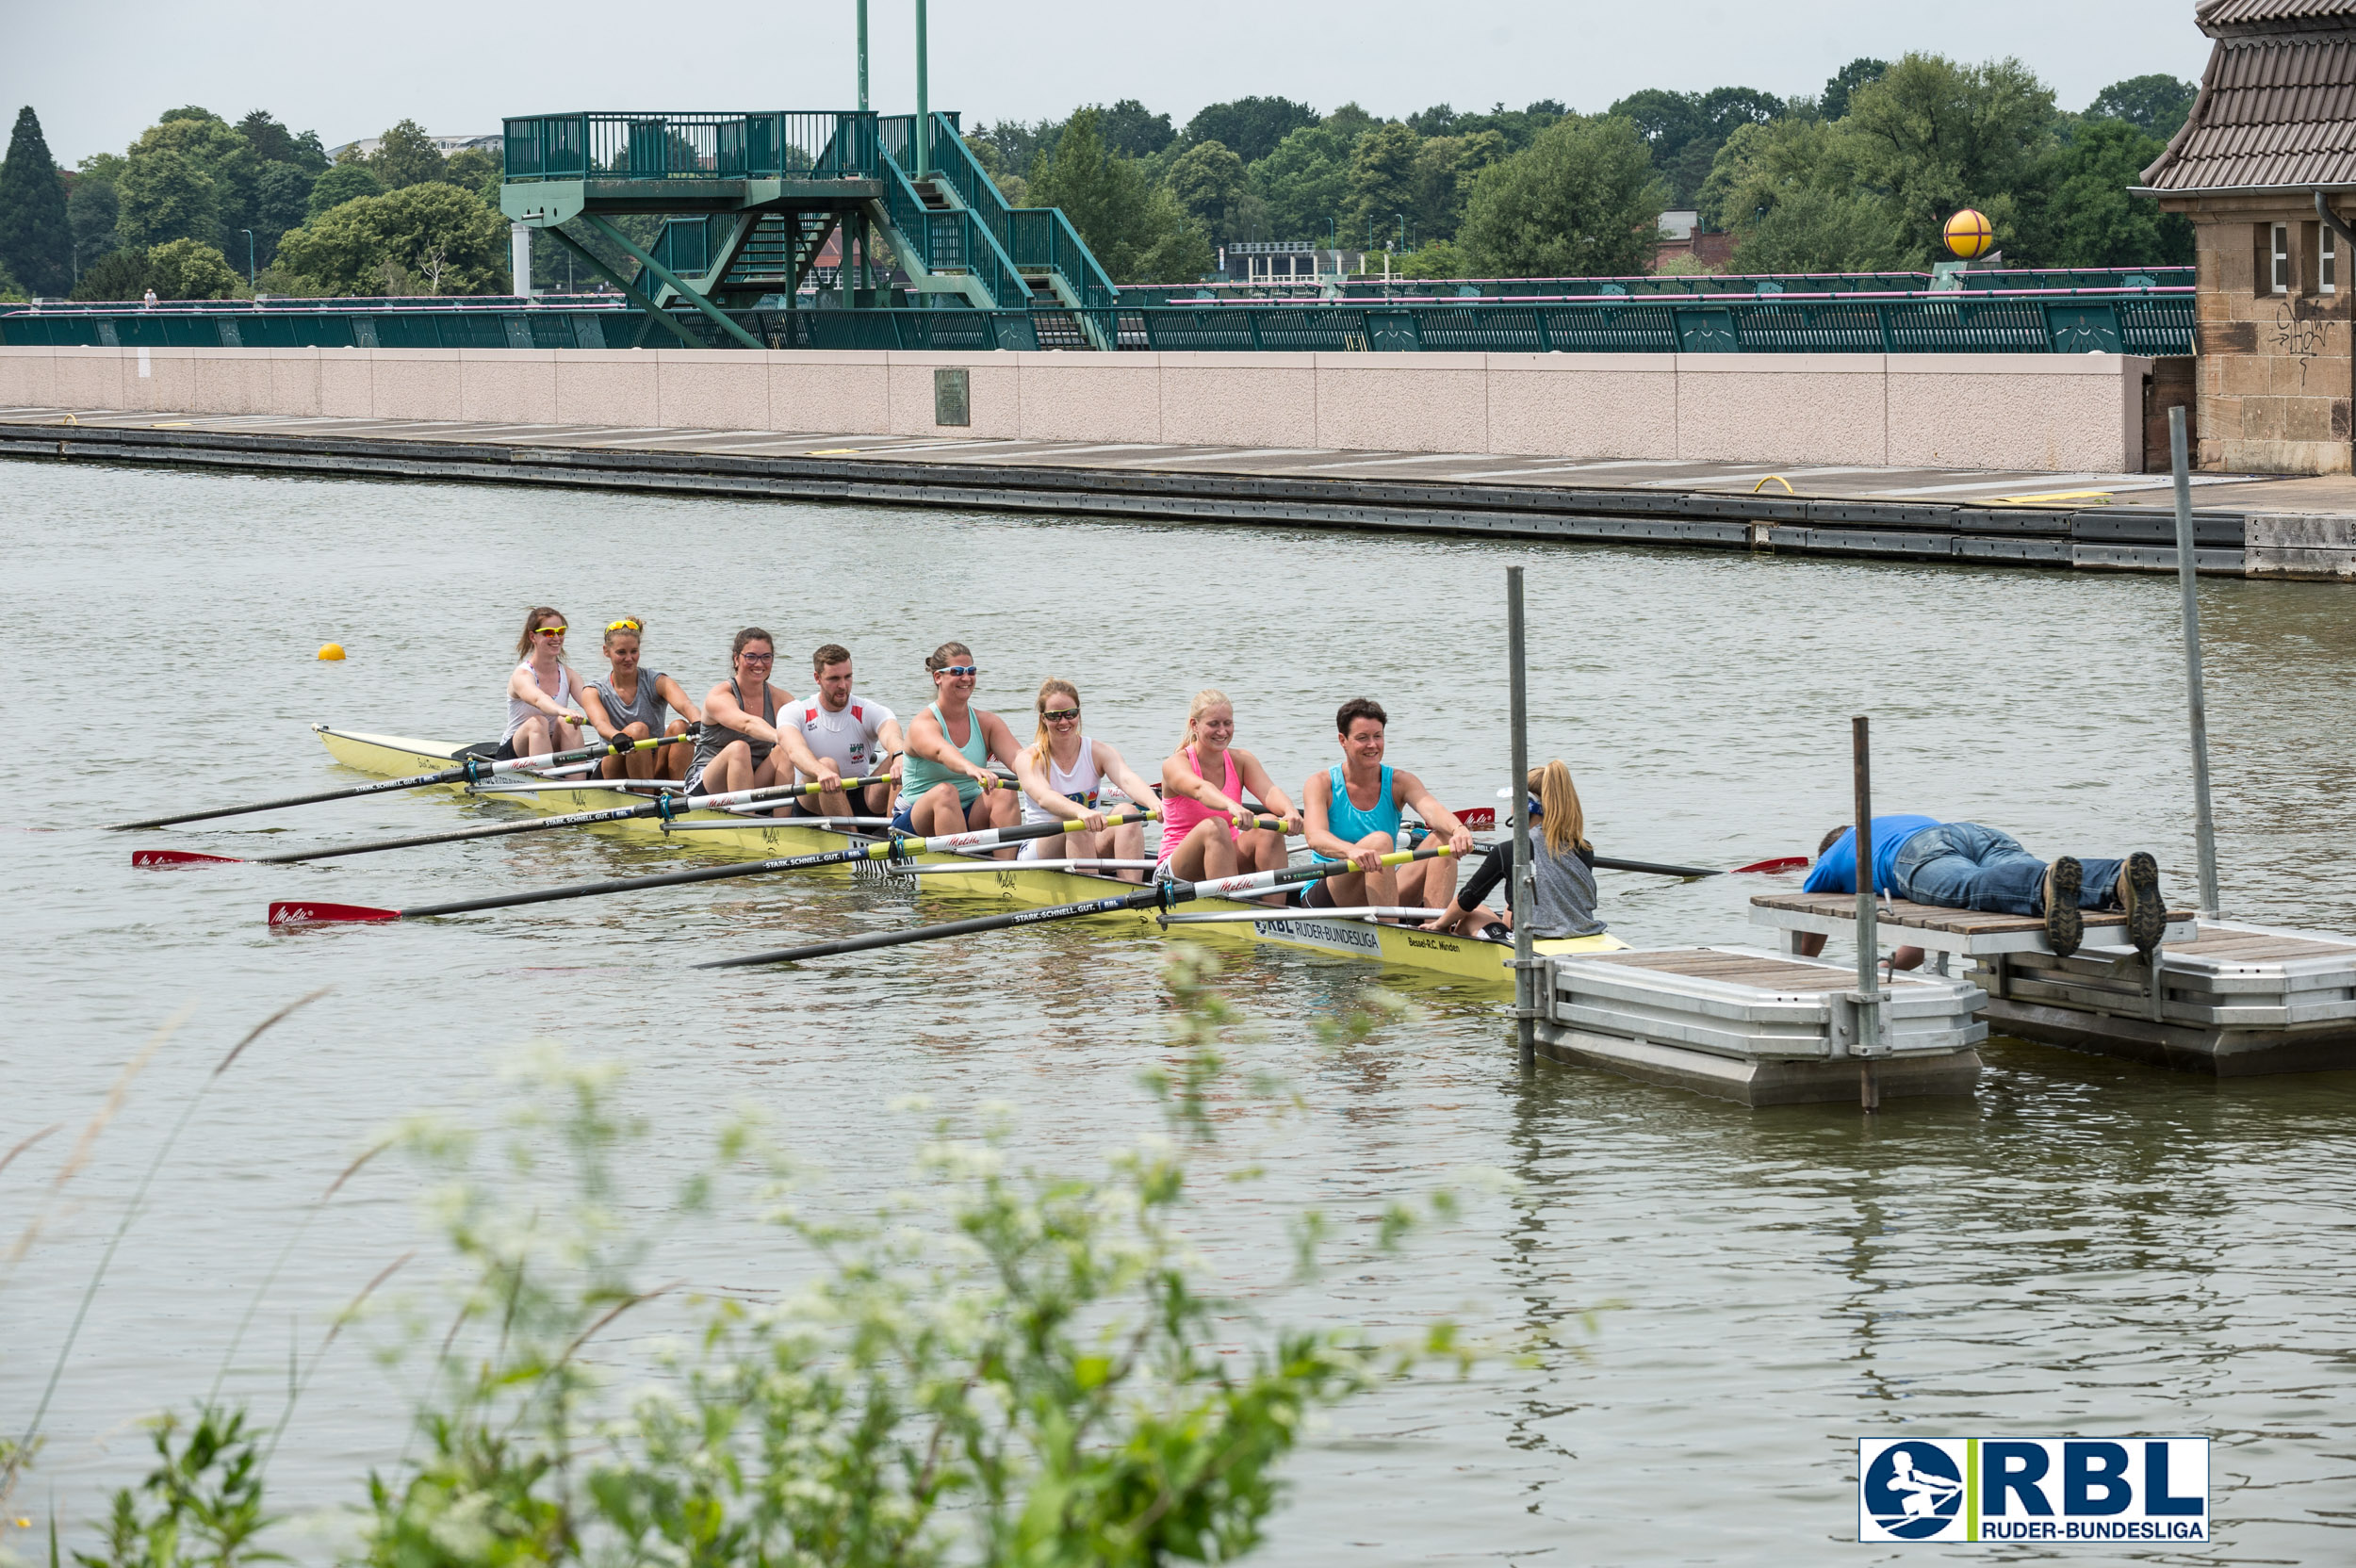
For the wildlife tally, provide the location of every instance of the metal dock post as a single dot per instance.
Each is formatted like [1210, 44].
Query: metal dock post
[2187, 572]
[1868, 941]
[1525, 977]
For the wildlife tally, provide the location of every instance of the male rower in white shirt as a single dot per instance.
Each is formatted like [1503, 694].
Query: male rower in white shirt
[861, 735]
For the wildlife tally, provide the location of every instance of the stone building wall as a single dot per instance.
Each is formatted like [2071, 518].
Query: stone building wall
[2277, 379]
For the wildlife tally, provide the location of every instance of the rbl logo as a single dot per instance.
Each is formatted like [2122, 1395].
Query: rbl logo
[2042, 1489]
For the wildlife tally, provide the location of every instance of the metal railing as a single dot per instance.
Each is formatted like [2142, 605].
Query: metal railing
[820, 144]
[952, 240]
[1038, 237]
[1409, 291]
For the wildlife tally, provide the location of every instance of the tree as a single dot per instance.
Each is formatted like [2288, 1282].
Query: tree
[90, 211]
[1207, 180]
[1249, 128]
[1303, 183]
[272, 142]
[36, 244]
[1382, 183]
[1445, 166]
[344, 182]
[1350, 122]
[1583, 200]
[1792, 197]
[2155, 105]
[435, 238]
[476, 170]
[165, 195]
[1129, 130]
[282, 200]
[1933, 137]
[1136, 227]
[9, 289]
[191, 270]
[1686, 129]
[1844, 83]
[1438, 258]
[2078, 212]
[1519, 127]
[406, 157]
[117, 275]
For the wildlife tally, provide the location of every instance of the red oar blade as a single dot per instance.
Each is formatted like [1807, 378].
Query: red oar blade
[1769, 868]
[1478, 818]
[181, 857]
[326, 914]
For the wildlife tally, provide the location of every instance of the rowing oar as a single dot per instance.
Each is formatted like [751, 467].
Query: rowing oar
[667, 806]
[1248, 885]
[474, 770]
[291, 912]
[1486, 817]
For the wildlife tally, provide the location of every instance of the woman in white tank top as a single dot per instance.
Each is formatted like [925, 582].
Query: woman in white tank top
[542, 694]
[1063, 774]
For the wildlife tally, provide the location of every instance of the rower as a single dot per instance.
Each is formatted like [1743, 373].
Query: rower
[859, 733]
[1562, 863]
[1063, 773]
[543, 711]
[627, 703]
[947, 785]
[737, 748]
[1355, 811]
[1207, 828]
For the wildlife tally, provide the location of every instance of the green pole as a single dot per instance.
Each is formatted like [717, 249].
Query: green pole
[863, 54]
[924, 105]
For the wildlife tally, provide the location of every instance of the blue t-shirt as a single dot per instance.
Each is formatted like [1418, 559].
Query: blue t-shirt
[1837, 871]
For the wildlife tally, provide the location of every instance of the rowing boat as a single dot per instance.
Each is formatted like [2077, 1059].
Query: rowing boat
[1470, 960]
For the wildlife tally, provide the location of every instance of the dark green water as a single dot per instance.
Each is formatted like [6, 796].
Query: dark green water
[2083, 1247]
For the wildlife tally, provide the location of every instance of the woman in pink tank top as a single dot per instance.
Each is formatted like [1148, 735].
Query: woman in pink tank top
[1206, 830]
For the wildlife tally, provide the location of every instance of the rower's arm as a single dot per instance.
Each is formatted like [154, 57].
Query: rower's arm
[723, 708]
[927, 740]
[673, 693]
[528, 691]
[1263, 788]
[1049, 799]
[1317, 824]
[1409, 791]
[1178, 778]
[1109, 761]
[795, 746]
[600, 720]
[890, 736]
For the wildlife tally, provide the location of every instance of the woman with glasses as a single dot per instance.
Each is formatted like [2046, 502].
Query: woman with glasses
[1063, 773]
[947, 785]
[627, 703]
[739, 745]
[542, 694]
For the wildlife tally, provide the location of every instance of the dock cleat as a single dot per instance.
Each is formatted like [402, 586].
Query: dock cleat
[2139, 896]
[2064, 924]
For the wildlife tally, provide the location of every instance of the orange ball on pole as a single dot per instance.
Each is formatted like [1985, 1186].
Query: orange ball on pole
[1969, 235]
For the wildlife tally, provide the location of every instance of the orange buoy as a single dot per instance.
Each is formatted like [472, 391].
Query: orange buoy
[1969, 235]
[331, 650]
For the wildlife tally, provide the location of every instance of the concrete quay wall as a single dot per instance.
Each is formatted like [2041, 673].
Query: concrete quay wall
[2076, 413]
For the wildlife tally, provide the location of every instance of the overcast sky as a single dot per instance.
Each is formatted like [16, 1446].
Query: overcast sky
[99, 71]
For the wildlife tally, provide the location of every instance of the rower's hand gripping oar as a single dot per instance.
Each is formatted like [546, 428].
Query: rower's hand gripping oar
[665, 805]
[296, 912]
[474, 770]
[1164, 895]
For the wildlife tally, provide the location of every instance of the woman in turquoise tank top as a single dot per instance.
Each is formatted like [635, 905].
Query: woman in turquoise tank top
[946, 784]
[1354, 814]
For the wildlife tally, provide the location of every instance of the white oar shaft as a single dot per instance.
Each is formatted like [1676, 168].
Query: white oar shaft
[1366, 913]
[1041, 864]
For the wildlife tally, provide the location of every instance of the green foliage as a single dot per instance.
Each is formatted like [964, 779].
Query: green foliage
[1789, 193]
[2156, 104]
[1130, 130]
[191, 270]
[1583, 200]
[273, 142]
[1932, 137]
[1686, 129]
[36, 244]
[1844, 83]
[201, 1507]
[184, 179]
[1207, 180]
[2078, 213]
[1135, 226]
[1518, 127]
[477, 169]
[345, 182]
[1249, 128]
[91, 209]
[422, 239]
[282, 200]
[406, 157]
[1303, 183]
[117, 275]
[1382, 185]
[1433, 258]
[1445, 166]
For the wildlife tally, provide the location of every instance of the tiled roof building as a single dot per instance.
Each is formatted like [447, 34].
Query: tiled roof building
[2265, 165]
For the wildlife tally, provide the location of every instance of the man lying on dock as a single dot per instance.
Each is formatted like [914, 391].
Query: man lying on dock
[1962, 865]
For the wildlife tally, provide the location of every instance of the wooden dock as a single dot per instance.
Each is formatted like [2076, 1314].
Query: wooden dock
[1743, 1025]
[2229, 999]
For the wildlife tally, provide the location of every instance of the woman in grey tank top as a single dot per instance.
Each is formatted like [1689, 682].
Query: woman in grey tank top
[630, 700]
[741, 746]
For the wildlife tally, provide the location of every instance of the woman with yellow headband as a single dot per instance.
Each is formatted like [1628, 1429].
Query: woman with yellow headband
[628, 702]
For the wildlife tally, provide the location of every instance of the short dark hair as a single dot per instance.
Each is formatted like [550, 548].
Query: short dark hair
[828, 653]
[1356, 709]
[1830, 839]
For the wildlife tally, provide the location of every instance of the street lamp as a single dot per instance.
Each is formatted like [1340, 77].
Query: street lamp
[251, 279]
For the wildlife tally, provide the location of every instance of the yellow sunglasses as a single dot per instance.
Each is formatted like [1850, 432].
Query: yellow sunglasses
[549, 630]
[623, 626]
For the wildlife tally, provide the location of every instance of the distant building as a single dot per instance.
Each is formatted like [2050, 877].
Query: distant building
[2264, 167]
[1683, 235]
[1276, 261]
[367, 146]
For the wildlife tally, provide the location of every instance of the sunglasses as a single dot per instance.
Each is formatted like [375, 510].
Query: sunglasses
[623, 625]
[549, 630]
[1054, 715]
[960, 669]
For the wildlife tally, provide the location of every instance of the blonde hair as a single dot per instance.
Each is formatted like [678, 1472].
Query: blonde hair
[1561, 816]
[1204, 700]
[1039, 705]
[629, 625]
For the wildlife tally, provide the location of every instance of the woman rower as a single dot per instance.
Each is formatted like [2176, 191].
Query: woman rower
[947, 785]
[543, 693]
[1063, 772]
[739, 745]
[1563, 865]
[627, 703]
[1206, 828]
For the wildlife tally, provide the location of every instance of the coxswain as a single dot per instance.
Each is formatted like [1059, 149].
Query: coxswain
[1562, 862]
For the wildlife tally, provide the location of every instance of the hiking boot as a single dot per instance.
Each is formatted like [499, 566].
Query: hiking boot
[2064, 924]
[2139, 896]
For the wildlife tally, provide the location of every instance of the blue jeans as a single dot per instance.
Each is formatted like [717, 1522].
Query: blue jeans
[1961, 865]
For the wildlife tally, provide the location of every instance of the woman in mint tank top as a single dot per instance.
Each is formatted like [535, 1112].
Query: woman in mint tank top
[946, 783]
[1355, 812]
